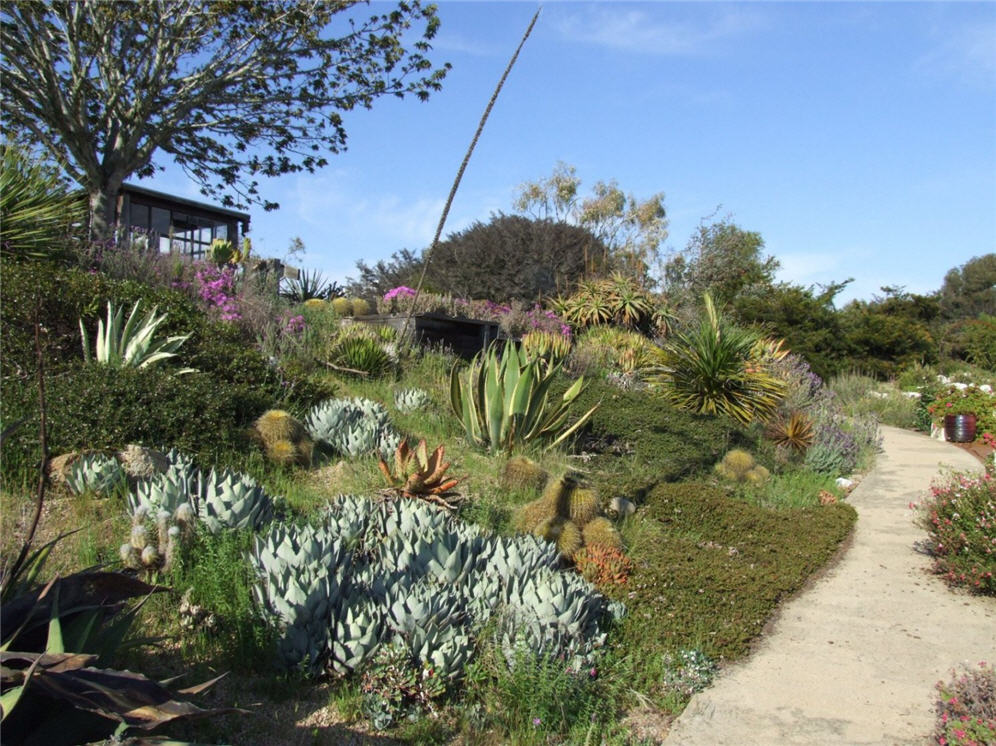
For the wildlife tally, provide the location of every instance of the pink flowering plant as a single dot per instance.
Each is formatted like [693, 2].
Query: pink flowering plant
[216, 287]
[960, 519]
[966, 708]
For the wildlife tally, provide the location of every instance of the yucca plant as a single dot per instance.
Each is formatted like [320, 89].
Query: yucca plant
[361, 355]
[503, 400]
[795, 432]
[38, 211]
[130, 343]
[307, 286]
[714, 369]
[419, 474]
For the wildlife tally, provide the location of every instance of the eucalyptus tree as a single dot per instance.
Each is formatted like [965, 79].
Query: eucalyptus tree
[631, 230]
[231, 91]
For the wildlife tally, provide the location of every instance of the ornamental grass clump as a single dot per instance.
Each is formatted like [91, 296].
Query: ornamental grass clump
[960, 519]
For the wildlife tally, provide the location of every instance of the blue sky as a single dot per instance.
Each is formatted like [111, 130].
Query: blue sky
[859, 139]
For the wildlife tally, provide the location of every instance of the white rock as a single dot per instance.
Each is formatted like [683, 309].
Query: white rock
[960, 386]
[844, 483]
[912, 394]
[986, 387]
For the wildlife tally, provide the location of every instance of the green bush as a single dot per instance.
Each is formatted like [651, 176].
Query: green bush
[644, 440]
[94, 406]
[960, 519]
[710, 570]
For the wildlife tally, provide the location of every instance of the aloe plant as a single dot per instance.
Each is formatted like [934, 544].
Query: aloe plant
[130, 343]
[504, 400]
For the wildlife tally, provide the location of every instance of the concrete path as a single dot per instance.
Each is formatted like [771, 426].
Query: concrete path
[854, 659]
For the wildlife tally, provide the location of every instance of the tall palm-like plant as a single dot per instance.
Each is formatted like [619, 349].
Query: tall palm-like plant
[714, 369]
[39, 213]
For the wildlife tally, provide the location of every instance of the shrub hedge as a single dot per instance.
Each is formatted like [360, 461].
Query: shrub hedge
[711, 569]
[639, 434]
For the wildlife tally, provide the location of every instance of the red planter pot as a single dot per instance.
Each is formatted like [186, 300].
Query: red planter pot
[959, 428]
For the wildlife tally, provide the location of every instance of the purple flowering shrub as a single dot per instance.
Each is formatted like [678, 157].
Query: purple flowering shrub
[216, 287]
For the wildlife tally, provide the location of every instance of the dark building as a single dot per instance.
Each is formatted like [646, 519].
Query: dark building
[178, 224]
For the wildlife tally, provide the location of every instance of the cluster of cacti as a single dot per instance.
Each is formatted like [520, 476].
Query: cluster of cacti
[284, 439]
[408, 400]
[739, 466]
[569, 515]
[151, 550]
[419, 474]
[316, 304]
[351, 306]
[353, 427]
[218, 499]
[523, 473]
[96, 473]
[371, 573]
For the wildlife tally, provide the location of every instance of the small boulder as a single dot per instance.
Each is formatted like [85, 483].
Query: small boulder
[59, 467]
[141, 462]
[619, 507]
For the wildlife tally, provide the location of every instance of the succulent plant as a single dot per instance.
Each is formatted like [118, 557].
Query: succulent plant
[551, 347]
[231, 500]
[353, 427]
[284, 438]
[583, 505]
[342, 306]
[735, 465]
[96, 473]
[796, 432]
[372, 574]
[166, 491]
[360, 354]
[603, 565]
[523, 473]
[601, 532]
[417, 474]
[408, 400]
[360, 307]
[569, 540]
[142, 463]
[503, 400]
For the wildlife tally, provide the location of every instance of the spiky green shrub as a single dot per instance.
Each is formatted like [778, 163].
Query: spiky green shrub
[713, 369]
[361, 355]
[40, 215]
[503, 401]
[354, 427]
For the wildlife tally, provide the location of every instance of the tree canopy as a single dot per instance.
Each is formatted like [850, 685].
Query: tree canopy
[721, 259]
[970, 290]
[231, 91]
[631, 230]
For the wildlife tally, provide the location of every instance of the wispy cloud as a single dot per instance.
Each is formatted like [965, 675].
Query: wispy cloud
[460, 44]
[965, 51]
[660, 32]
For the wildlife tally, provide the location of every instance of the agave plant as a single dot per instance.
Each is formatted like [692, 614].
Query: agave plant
[306, 286]
[130, 343]
[714, 370]
[504, 400]
[419, 474]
